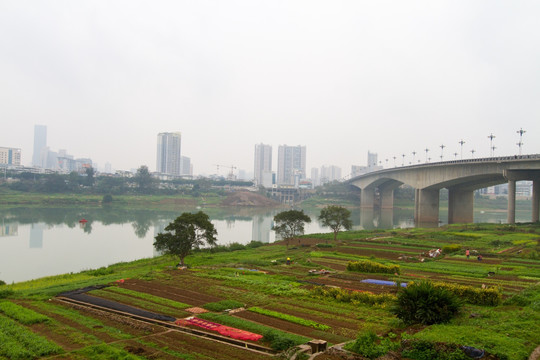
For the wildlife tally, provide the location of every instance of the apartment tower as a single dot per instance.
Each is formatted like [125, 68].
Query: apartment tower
[169, 159]
[291, 164]
[40, 146]
[263, 165]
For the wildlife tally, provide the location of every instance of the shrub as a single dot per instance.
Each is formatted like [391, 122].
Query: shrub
[254, 244]
[277, 341]
[107, 199]
[452, 248]
[371, 346]
[2, 282]
[349, 296]
[101, 271]
[6, 293]
[223, 305]
[473, 295]
[426, 304]
[372, 267]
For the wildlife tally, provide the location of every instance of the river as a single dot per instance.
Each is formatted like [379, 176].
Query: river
[38, 242]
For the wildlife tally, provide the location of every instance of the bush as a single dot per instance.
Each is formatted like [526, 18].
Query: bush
[473, 295]
[277, 341]
[371, 346]
[452, 248]
[426, 304]
[223, 305]
[348, 296]
[372, 267]
[5, 293]
[107, 199]
[2, 282]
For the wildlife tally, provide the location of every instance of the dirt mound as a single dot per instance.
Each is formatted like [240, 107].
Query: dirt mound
[245, 198]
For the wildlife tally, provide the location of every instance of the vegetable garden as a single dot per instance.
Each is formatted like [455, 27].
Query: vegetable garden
[254, 290]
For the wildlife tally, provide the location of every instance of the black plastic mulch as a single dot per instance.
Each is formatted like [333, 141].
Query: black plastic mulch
[80, 295]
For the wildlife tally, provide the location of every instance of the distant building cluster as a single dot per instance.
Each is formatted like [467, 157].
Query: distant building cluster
[43, 157]
[291, 166]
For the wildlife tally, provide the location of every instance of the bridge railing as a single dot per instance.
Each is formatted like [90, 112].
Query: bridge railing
[497, 159]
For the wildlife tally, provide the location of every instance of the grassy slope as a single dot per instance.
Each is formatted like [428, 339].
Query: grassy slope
[507, 330]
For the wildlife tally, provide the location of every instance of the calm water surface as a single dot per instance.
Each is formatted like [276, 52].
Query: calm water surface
[41, 242]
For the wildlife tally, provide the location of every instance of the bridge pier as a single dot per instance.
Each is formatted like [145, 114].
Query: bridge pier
[511, 214]
[536, 200]
[367, 198]
[460, 206]
[387, 197]
[426, 207]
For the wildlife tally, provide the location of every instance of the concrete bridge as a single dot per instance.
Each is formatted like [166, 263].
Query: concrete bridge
[460, 177]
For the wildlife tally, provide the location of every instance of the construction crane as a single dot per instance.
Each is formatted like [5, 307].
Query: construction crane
[231, 172]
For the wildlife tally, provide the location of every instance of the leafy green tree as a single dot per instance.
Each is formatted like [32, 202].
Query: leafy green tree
[188, 231]
[144, 179]
[336, 218]
[90, 176]
[289, 224]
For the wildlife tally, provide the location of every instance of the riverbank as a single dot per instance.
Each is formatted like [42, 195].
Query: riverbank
[288, 298]
[9, 199]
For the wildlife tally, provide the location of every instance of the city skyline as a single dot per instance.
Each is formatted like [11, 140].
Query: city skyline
[341, 79]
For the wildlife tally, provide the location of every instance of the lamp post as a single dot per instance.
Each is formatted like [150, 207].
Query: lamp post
[491, 137]
[403, 159]
[442, 151]
[394, 161]
[520, 143]
[427, 150]
[493, 150]
[455, 155]
[413, 155]
[472, 152]
[461, 142]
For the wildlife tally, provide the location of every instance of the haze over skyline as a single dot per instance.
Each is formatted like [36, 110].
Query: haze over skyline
[339, 77]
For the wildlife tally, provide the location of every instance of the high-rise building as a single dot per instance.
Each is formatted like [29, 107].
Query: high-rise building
[10, 156]
[315, 177]
[169, 160]
[263, 165]
[185, 165]
[291, 164]
[330, 173]
[40, 146]
[372, 160]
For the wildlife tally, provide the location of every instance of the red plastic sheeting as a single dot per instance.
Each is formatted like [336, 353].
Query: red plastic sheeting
[224, 330]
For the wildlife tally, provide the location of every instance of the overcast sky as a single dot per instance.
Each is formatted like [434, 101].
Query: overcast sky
[340, 77]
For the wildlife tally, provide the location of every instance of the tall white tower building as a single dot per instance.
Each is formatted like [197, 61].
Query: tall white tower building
[291, 164]
[40, 146]
[169, 159]
[263, 165]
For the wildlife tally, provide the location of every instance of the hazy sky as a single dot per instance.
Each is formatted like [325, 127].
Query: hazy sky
[340, 77]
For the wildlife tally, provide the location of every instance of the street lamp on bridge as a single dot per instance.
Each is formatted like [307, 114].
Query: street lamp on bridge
[491, 137]
[413, 155]
[520, 143]
[427, 150]
[442, 151]
[472, 152]
[461, 142]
